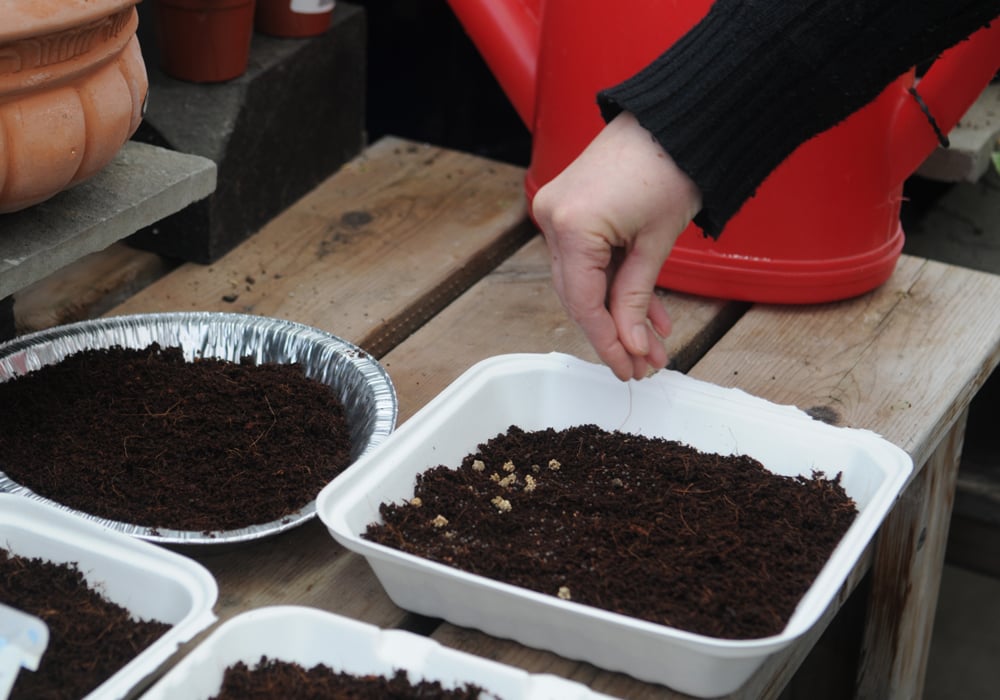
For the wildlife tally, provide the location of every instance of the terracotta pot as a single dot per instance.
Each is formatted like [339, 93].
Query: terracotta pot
[72, 90]
[204, 41]
[293, 18]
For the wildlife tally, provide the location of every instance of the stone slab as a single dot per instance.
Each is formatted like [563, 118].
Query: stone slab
[961, 226]
[142, 185]
[275, 132]
[971, 143]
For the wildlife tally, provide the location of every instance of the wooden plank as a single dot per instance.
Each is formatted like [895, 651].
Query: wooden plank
[371, 253]
[909, 556]
[386, 243]
[903, 361]
[88, 287]
[514, 309]
[303, 566]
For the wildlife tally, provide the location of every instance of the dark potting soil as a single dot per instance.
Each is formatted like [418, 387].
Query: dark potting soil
[90, 638]
[279, 680]
[646, 527]
[144, 437]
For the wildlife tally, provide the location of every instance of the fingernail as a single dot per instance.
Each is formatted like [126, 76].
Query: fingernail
[639, 338]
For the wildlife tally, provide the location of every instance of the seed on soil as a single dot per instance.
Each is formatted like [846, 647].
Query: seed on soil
[708, 543]
[502, 504]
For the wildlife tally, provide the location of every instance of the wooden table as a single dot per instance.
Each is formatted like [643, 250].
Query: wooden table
[426, 258]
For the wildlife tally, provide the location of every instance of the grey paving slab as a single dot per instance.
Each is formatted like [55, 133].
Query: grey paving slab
[290, 121]
[972, 142]
[142, 185]
[962, 227]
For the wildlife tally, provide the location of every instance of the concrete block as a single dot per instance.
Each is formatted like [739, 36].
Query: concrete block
[971, 143]
[961, 226]
[275, 132]
[141, 185]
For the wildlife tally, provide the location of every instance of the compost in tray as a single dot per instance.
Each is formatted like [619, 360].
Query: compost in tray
[646, 527]
[90, 637]
[142, 436]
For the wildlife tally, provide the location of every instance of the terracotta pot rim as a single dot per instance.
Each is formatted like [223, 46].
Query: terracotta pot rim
[29, 19]
[44, 76]
[62, 135]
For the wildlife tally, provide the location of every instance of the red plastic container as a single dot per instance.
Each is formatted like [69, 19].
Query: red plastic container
[293, 18]
[824, 226]
[204, 41]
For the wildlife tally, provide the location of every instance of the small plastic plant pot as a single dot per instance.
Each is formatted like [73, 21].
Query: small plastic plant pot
[293, 18]
[204, 41]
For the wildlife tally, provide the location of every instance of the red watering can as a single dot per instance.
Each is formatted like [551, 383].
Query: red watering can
[823, 226]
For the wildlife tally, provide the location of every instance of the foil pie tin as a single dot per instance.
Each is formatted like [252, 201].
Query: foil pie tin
[361, 383]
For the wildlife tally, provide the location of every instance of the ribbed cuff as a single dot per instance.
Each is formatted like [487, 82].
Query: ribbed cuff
[732, 98]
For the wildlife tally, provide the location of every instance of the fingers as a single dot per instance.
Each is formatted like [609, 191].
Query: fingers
[601, 287]
[583, 291]
[580, 277]
[631, 299]
[658, 317]
[610, 220]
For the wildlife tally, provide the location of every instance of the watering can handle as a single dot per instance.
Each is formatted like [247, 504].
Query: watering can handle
[942, 97]
[508, 34]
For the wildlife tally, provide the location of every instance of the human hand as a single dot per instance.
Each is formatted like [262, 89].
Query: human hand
[610, 219]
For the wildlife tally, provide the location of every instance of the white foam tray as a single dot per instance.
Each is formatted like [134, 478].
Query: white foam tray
[151, 582]
[559, 391]
[308, 636]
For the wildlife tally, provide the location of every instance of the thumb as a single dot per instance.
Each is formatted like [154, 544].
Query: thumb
[631, 294]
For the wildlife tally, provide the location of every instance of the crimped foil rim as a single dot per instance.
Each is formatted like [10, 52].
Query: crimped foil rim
[324, 356]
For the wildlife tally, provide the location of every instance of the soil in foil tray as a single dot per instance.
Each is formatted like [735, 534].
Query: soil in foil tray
[146, 438]
[645, 527]
[279, 680]
[90, 637]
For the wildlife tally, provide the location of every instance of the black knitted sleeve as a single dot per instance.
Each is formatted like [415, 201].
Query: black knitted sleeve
[755, 78]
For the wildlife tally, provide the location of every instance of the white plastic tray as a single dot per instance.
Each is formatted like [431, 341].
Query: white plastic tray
[309, 637]
[151, 582]
[559, 391]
